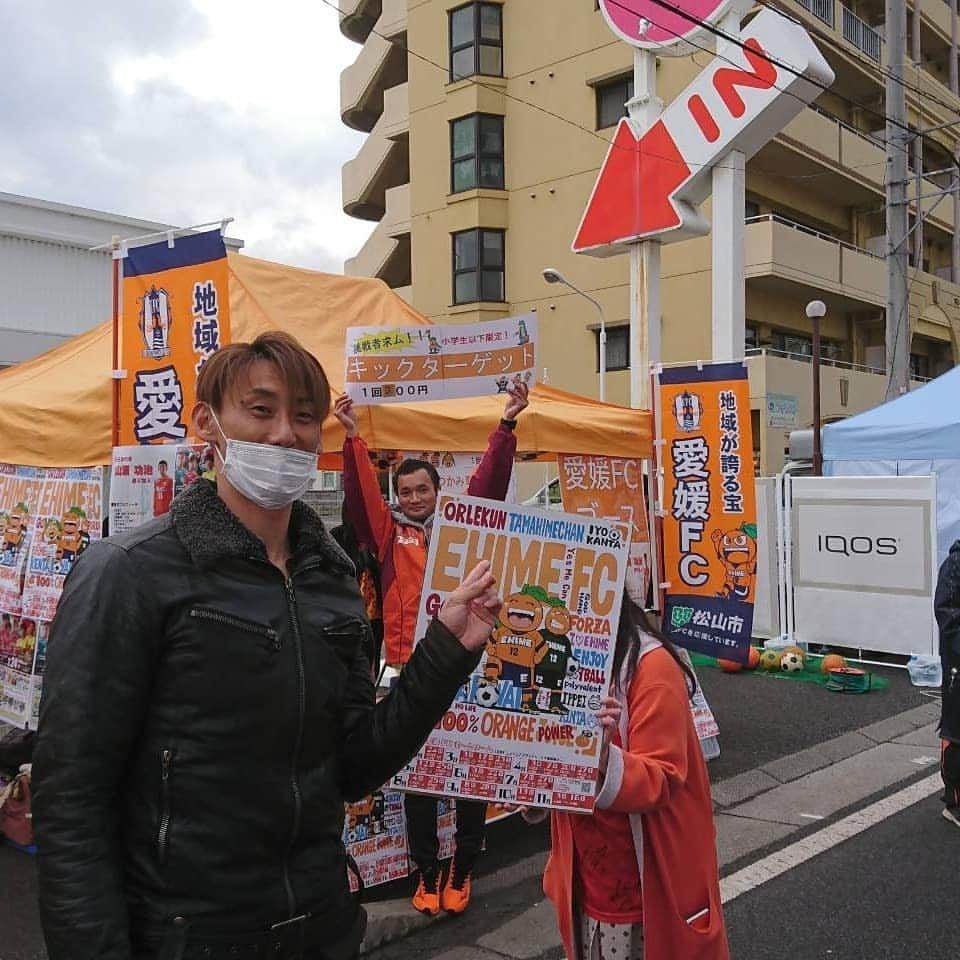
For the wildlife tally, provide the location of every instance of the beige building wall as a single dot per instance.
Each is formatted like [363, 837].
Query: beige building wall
[814, 216]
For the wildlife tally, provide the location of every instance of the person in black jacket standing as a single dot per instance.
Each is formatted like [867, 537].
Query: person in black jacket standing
[947, 606]
[208, 707]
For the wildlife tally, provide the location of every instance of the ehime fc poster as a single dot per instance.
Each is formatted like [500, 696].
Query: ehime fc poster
[710, 509]
[522, 729]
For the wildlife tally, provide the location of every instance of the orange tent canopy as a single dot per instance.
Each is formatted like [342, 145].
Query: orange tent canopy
[55, 409]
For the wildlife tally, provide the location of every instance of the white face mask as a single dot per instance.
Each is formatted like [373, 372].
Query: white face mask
[272, 477]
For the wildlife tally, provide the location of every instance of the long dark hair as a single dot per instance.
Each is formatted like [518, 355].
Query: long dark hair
[634, 623]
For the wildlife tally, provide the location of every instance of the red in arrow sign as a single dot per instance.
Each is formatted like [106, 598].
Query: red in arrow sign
[632, 195]
[652, 186]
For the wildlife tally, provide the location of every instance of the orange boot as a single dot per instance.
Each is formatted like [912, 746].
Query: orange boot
[427, 897]
[456, 892]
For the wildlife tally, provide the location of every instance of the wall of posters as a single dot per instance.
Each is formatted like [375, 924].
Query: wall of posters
[522, 729]
[67, 518]
[19, 492]
[611, 488]
[22, 646]
[176, 313]
[709, 503]
[375, 835]
[410, 364]
[145, 479]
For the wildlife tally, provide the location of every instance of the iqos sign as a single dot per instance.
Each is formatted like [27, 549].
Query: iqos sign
[857, 545]
[862, 545]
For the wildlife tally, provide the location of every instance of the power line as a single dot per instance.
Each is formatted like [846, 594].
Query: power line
[737, 41]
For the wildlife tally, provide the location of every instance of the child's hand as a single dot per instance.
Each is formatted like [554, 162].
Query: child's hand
[609, 718]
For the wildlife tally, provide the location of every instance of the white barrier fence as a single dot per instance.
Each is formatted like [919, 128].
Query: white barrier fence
[854, 563]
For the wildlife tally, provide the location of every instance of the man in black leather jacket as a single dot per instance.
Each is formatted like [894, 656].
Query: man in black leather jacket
[208, 707]
[947, 608]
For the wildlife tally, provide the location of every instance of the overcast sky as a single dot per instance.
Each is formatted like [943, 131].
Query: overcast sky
[184, 111]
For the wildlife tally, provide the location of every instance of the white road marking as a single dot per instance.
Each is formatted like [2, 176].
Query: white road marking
[813, 816]
[772, 866]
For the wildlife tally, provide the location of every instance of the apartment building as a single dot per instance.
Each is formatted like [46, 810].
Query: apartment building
[488, 122]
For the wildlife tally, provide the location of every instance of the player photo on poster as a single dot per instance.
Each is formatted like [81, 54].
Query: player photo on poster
[522, 728]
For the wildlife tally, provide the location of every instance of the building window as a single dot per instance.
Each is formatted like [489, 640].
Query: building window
[800, 345]
[476, 41]
[478, 266]
[476, 152]
[919, 366]
[618, 348]
[611, 101]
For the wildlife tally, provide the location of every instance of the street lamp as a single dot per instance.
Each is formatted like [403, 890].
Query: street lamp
[555, 276]
[816, 311]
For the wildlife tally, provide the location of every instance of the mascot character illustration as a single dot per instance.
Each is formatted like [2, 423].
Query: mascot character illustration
[14, 530]
[73, 538]
[515, 647]
[558, 662]
[737, 551]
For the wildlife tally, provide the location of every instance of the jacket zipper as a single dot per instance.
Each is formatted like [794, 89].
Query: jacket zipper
[163, 832]
[248, 626]
[291, 598]
[302, 709]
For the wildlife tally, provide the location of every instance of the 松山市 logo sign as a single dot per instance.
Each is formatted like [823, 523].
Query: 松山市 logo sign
[661, 24]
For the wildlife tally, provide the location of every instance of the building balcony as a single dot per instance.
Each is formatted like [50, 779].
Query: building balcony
[386, 254]
[780, 253]
[357, 18]
[383, 161]
[380, 65]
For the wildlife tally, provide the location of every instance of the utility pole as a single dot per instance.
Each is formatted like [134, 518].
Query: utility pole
[898, 260]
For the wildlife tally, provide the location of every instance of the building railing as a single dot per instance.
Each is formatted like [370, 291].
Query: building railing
[860, 34]
[824, 361]
[793, 225]
[862, 134]
[821, 9]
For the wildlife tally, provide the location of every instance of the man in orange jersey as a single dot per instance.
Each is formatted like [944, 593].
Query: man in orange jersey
[400, 538]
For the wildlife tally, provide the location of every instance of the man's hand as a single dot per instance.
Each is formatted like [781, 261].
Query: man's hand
[517, 401]
[470, 612]
[343, 411]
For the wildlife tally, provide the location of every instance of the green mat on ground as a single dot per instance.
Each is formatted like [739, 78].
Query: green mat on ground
[810, 673]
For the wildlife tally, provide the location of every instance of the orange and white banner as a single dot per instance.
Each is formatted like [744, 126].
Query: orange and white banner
[611, 488]
[710, 511]
[176, 314]
[411, 364]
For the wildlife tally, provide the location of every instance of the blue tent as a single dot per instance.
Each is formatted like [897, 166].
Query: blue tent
[915, 435]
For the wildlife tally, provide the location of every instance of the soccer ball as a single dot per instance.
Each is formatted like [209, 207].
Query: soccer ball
[832, 661]
[797, 650]
[770, 660]
[573, 666]
[791, 661]
[486, 695]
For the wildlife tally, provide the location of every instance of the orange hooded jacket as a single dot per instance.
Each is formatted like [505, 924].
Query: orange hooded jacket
[660, 779]
[401, 544]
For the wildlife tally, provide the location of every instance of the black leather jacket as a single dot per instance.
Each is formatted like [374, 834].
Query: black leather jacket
[947, 609]
[203, 720]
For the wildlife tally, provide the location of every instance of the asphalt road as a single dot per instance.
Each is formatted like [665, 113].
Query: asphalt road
[887, 894]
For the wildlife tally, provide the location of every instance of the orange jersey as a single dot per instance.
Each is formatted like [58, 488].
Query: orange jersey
[401, 545]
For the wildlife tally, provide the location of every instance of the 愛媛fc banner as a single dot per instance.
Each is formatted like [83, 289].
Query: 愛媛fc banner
[175, 316]
[710, 511]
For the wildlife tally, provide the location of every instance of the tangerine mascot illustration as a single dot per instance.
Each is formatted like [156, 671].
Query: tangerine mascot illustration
[14, 531]
[558, 662]
[515, 647]
[51, 537]
[73, 539]
[737, 551]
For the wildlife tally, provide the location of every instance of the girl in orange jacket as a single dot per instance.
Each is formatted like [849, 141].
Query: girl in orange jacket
[638, 877]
